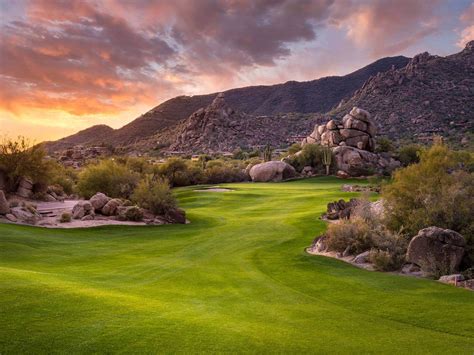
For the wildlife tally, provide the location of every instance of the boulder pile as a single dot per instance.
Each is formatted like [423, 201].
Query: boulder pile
[353, 144]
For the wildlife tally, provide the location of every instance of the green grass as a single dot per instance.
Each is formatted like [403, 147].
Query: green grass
[236, 279]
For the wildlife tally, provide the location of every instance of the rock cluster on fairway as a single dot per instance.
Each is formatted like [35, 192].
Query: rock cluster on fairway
[271, 171]
[353, 143]
[436, 248]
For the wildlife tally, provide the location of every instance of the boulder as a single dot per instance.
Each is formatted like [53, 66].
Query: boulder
[342, 174]
[360, 114]
[272, 171]
[110, 208]
[11, 217]
[81, 209]
[24, 215]
[362, 258]
[451, 279]
[176, 215]
[4, 206]
[435, 249]
[320, 244]
[98, 201]
[25, 187]
[307, 171]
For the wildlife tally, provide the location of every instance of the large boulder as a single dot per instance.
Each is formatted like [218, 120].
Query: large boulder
[436, 249]
[110, 208]
[4, 206]
[26, 215]
[99, 200]
[25, 187]
[272, 171]
[176, 215]
[81, 209]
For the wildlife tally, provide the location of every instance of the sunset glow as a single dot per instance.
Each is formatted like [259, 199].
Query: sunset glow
[67, 65]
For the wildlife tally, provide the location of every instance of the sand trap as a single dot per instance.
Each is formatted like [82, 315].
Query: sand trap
[214, 189]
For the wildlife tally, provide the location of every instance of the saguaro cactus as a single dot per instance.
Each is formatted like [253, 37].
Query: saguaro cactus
[327, 158]
[267, 153]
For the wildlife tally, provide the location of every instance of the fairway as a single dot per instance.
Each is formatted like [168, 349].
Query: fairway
[237, 279]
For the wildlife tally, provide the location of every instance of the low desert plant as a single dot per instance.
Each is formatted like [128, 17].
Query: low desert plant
[65, 217]
[134, 213]
[409, 154]
[354, 234]
[384, 260]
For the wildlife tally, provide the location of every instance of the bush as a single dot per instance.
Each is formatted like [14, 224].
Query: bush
[409, 154]
[384, 145]
[154, 195]
[434, 192]
[19, 158]
[384, 260]
[174, 169]
[109, 177]
[134, 214]
[65, 217]
[294, 148]
[353, 234]
[219, 173]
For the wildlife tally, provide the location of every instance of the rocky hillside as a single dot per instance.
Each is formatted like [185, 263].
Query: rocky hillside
[430, 95]
[89, 136]
[301, 97]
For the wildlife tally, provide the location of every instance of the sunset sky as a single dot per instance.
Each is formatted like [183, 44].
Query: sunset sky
[66, 65]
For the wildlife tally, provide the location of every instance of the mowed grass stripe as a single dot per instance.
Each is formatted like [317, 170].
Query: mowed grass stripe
[236, 279]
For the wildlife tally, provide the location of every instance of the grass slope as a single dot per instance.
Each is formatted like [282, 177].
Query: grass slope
[236, 279]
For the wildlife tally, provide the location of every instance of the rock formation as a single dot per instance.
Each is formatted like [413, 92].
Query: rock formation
[352, 142]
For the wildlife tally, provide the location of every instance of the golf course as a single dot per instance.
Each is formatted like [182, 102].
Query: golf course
[235, 279]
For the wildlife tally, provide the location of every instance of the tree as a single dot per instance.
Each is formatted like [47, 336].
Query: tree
[20, 158]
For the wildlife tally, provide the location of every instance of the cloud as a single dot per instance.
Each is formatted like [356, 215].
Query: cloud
[467, 34]
[386, 27]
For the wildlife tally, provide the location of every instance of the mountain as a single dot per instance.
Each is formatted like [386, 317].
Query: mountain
[303, 97]
[88, 136]
[430, 95]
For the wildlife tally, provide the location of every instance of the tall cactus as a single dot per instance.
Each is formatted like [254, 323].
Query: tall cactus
[267, 153]
[327, 158]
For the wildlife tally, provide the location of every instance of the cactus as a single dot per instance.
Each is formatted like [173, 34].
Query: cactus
[327, 158]
[267, 153]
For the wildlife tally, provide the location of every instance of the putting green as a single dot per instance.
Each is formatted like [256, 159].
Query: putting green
[236, 279]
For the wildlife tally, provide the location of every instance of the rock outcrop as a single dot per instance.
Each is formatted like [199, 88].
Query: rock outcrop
[436, 249]
[25, 187]
[99, 200]
[357, 130]
[82, 209]
[272, 171]
[353, 143]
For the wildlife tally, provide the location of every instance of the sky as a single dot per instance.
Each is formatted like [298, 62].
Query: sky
[66, 65]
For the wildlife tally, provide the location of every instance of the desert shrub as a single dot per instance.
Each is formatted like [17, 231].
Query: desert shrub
[20, 158]
[154, 195]
[354, 234]
[138, 165]
[14, 203]
[240, 154]
[389, 249]
[174, 169]
[109, 177]
[384, 145]
[294, 148]
[434, 192]
[384, 260]
[40, 196]
[311, 155]
[468, 273]
[409, 154]
[65, 217]
[219, 173]
[134, 214]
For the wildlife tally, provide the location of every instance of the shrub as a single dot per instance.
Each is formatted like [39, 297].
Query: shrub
[384, 260]
[219, 173]
[19, 158]
[134, 214]
[353, 234]
[294, 148]
[434, 192]
[65, 217]
[109, 177]
[154, 195]
[409, 154]
[173, 170]
[384, 145]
